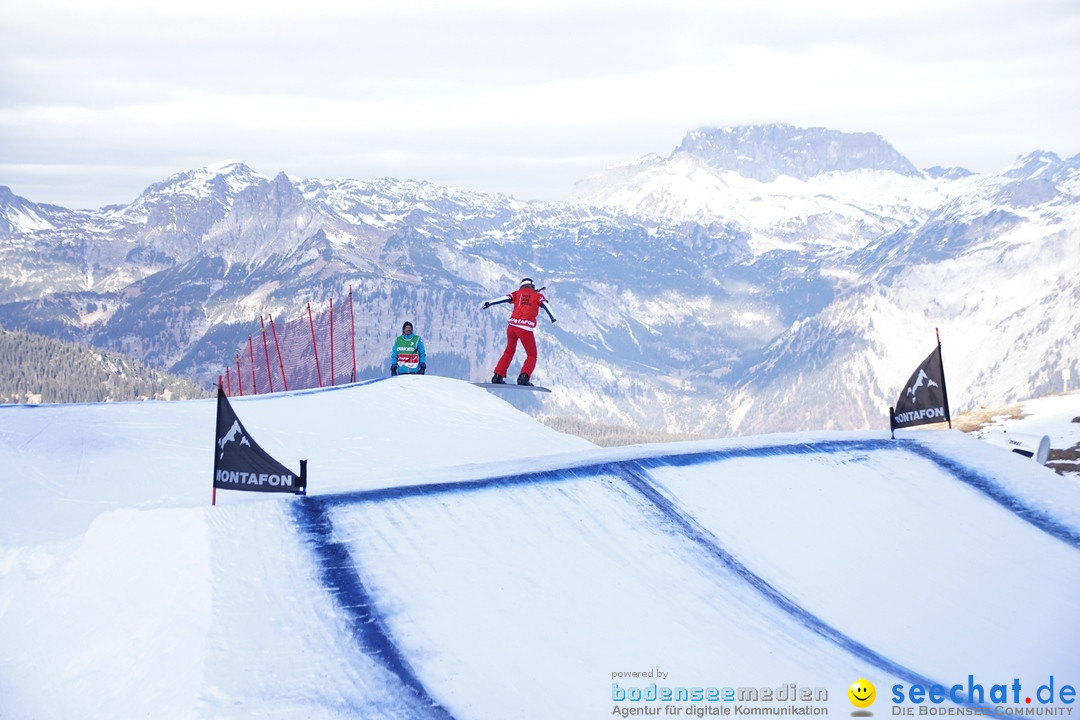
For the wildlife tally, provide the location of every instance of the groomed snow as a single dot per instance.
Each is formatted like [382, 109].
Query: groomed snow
[457, 559]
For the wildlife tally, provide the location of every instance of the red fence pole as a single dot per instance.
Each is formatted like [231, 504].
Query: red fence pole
[314, 345]
[251, 356]
[277, 347]
[333, 374]
[266, 354]
[239, 377]
[228, 380]
[352, 335]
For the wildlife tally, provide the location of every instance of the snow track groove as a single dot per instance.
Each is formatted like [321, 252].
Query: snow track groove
[339, 577]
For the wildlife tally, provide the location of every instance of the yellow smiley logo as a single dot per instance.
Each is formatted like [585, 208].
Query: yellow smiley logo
[862, 693]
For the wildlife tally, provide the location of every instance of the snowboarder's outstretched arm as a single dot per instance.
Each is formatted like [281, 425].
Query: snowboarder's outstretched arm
[497, 301]
[543, 304]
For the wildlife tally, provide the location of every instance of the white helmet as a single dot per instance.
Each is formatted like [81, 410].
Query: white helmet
[526, 282]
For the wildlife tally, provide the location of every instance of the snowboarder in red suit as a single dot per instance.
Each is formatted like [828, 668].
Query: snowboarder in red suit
[527, 302]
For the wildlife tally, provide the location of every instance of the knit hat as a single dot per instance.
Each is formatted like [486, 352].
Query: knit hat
[406, 325]
[526, 281]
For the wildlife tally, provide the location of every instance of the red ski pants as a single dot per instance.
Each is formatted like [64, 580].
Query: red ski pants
[513, 334]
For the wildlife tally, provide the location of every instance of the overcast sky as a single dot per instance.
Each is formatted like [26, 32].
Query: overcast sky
[100, 98]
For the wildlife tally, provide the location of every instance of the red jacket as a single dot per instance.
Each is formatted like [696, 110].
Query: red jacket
[527, 304]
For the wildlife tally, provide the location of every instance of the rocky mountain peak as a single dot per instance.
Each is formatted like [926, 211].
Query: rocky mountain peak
[948, 173]
[764, 152]
[219, 180]
[1039, 163]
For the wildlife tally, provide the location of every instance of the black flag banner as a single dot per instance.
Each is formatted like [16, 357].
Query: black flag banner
[240, 464]
[923, 400]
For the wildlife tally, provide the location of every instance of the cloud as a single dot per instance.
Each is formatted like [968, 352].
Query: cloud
[524, 98]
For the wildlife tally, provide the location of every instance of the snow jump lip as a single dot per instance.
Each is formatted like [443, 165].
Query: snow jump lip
[985, 485]
[339, 573]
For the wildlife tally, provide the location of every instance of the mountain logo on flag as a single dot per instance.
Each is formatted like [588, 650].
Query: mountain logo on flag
[923, 380]
[231, 436]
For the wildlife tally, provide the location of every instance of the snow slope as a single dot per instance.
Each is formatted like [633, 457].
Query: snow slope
[457, 559]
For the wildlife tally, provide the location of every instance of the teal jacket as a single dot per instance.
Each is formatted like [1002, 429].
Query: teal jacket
[408, 354]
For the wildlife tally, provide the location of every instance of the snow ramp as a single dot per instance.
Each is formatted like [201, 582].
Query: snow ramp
[781, 563]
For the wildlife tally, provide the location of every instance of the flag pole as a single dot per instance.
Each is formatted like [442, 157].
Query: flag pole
[213, 496]
[944, 392]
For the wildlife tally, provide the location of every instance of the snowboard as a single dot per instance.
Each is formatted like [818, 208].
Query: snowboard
[511, 386]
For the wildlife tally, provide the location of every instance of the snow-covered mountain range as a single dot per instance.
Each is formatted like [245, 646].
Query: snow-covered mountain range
[757, 279]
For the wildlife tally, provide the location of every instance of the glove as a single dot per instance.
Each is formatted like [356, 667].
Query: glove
[487, 305]
[393, 369]
[553, 321]
[423, 367]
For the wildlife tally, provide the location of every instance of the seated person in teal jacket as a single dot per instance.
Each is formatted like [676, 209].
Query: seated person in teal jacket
[408, 356]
